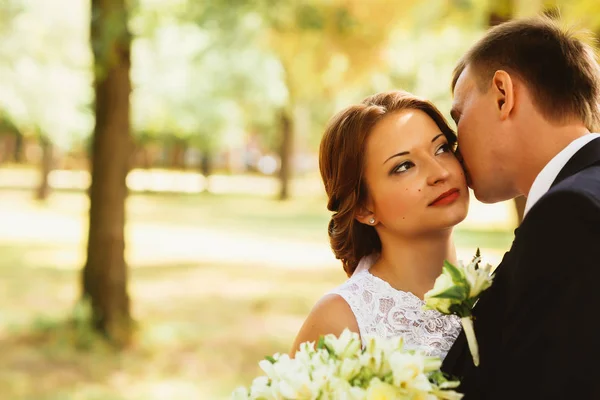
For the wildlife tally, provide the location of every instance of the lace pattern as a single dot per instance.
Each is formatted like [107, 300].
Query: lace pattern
[383, 311]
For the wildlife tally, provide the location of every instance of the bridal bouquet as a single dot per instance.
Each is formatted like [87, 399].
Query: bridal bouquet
[340, 368]
[456, 291]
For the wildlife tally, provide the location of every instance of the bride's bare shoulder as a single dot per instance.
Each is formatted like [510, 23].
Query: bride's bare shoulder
[331, 314]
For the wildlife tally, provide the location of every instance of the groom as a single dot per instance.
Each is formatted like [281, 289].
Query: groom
[526, 99]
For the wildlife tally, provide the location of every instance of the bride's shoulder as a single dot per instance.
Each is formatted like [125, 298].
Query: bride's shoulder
[330, 314]
[332, 311]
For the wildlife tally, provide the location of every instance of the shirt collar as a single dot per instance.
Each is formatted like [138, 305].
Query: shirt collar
[548, 174]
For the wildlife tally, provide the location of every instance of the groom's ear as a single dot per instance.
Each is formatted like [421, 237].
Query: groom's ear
[503, 87]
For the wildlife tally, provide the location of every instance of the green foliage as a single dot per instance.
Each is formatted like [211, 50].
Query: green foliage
[45, 78]
[207, 72]
[110, 36]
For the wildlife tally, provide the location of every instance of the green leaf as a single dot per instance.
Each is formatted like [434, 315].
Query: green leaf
[270, 359]
[458, 292]
[455, 273]
[321, 343]
[462, 310]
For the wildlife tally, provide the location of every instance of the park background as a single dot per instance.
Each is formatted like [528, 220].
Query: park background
[162, 220]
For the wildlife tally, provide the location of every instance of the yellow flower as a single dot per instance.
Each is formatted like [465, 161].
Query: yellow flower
[379, 390]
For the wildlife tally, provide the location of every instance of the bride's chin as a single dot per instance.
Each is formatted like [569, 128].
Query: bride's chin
[453, 221]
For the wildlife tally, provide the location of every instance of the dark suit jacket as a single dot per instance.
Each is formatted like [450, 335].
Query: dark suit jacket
[536, 325]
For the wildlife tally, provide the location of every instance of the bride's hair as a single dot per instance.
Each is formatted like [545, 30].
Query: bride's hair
[341, 162]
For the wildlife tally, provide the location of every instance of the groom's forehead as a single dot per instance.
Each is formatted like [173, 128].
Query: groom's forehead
[464, 83]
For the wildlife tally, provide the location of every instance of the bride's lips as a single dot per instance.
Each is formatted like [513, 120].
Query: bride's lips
[446, 198]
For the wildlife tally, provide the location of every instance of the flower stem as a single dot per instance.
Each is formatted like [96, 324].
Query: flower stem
[467, 324]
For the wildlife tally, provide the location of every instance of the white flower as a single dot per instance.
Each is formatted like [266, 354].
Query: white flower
[260, 389]
[379, 390]
[479, 279]
[372, 357]
[408, 371]
[301, 388]
[240, 394]
[323, 373]
[432, 364]
[346, 345]
[349, 368]
[442, 284]
[340, 389]
[339, 369]
[456, 291]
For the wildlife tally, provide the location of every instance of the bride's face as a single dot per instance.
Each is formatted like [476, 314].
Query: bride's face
[415, 183]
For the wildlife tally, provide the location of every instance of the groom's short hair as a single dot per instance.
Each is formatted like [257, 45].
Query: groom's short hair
[557, 65]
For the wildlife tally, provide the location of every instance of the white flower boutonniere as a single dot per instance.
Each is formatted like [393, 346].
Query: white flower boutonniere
[456, 291]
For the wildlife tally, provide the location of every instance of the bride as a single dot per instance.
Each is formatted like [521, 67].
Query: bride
[396, 190]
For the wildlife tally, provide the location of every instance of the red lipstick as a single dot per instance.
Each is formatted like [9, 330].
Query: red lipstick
[446, 198]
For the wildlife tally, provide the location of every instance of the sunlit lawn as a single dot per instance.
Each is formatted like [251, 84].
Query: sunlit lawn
[217, 282]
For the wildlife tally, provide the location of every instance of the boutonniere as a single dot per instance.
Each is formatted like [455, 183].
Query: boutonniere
[457, 290]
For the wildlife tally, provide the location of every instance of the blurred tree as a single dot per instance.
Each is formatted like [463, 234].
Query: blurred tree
[45, 77]
[11, 140]
[324, 48]
[11, 136]
[320, 48]
[105, 272]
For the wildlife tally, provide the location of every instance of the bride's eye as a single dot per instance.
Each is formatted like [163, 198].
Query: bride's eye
[403, 167]
[445, 148]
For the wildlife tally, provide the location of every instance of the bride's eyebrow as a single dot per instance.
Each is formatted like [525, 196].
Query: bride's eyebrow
[403, 153]
[437, 137]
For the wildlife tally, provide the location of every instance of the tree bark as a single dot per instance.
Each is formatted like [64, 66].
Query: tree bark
[285, 153]
[178, 149]
[6, 147]
[105, 272]
[18, 153]
[206, 167]
[43, 189]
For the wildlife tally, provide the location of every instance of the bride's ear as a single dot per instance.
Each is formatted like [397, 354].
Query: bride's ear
[364, 215]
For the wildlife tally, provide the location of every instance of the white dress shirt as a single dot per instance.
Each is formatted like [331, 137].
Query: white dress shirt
[544, 180]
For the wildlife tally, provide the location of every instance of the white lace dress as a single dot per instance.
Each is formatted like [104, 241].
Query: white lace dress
[383, 311]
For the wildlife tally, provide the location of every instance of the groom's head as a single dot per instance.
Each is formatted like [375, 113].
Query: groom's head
[522, 76]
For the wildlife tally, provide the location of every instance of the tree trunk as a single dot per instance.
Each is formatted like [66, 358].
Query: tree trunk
[43, 189]
[105, 272]
[5, 148]
[146, 160]
[18, 151]
[206, 168]
[178, 148]
[285, 154]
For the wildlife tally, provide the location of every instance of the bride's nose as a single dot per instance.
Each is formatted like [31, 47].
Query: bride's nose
[437, 172]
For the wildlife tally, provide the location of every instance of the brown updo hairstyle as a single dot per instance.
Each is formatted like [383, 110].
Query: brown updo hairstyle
[342, 164]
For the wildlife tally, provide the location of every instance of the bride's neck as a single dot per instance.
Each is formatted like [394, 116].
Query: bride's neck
[412, 265]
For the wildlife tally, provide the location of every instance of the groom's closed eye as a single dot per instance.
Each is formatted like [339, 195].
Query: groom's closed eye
[458, 155]
[455, 116]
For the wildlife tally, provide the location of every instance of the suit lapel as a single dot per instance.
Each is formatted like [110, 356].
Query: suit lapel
[587, 156]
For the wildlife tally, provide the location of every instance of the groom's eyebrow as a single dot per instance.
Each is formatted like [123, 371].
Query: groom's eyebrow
[403, 153]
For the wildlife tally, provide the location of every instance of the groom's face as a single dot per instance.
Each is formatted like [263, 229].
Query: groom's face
[480, 138]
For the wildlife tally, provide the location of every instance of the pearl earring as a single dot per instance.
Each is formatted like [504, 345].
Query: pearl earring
[372, 221]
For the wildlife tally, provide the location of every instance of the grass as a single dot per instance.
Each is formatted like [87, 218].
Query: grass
[217, 282]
